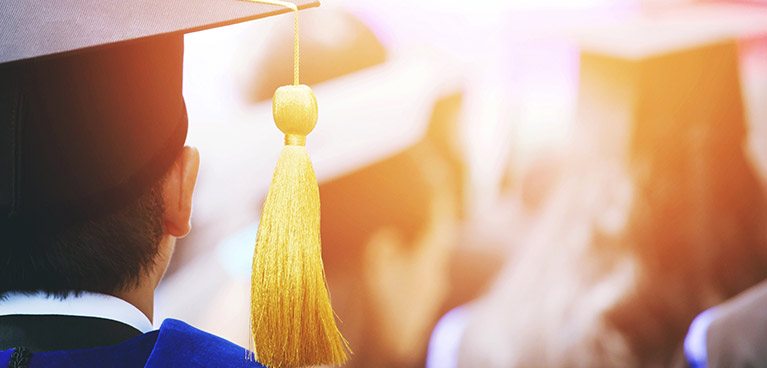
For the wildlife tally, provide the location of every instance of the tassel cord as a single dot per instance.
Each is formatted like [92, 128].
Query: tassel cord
[291, 6]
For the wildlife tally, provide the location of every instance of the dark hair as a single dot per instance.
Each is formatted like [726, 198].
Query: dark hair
[102, 254]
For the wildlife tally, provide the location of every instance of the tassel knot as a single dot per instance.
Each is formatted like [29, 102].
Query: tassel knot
[295, 140]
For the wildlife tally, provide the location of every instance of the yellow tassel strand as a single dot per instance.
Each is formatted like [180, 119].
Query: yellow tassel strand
[292, 322]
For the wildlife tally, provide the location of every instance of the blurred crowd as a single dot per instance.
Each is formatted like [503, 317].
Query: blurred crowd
[508, 185]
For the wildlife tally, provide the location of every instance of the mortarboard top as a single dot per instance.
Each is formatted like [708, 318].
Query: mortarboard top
[679, 70]
[34, 29]
[91, 108]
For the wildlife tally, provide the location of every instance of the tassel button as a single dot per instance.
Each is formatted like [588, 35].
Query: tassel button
[295, 112]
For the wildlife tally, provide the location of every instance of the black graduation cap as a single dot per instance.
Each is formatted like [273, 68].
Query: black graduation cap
[91, 110]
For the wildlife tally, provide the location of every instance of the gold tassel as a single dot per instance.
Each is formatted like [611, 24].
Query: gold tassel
[292, 321]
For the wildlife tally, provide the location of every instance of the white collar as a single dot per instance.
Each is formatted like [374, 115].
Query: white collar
[85, 305]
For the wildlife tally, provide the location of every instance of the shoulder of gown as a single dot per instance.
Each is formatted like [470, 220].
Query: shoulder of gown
[181, 345]
[175, 344]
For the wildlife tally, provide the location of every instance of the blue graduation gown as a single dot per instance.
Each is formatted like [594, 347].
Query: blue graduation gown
[731, 334]
[175, 344]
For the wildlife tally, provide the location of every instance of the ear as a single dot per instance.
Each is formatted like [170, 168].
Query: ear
[177, 192]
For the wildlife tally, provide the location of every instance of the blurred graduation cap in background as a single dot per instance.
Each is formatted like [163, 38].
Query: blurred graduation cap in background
[91, 108]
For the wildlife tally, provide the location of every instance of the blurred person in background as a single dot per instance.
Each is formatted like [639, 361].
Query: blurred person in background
[659, 216]
[387, 237]
[697, 224]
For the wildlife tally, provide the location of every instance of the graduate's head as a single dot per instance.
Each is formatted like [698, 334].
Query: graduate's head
[386, 235]
[95, 180]
[98, 175]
